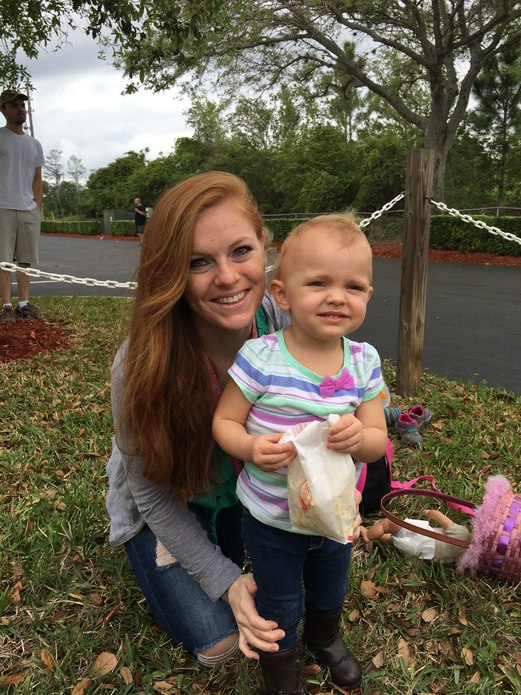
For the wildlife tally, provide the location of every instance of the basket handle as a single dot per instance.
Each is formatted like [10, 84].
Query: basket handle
[417, 529]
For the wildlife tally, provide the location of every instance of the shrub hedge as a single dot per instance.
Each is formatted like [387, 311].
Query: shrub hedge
[122, 227]
[83, 227]
[453, 234]
[447, 232]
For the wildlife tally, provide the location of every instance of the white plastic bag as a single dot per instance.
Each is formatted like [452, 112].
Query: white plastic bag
[321, 484]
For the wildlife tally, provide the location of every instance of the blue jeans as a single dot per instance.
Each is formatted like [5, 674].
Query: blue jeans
[293, 570]
[179, 605]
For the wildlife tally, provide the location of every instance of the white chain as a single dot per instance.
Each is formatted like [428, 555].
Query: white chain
[383, 209]
[90, 282]
[477, 223]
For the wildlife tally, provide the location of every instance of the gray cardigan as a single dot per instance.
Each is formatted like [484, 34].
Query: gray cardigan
[134, 501]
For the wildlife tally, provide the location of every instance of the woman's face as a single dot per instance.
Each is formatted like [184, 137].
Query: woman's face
[226, 279]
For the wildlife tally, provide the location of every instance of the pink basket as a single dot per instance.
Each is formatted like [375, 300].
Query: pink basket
[495, 545]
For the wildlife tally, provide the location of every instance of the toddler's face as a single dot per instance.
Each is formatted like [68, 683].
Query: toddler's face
[325, 284]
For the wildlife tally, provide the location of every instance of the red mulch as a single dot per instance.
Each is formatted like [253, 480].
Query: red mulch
[26, 338]
[436, 256]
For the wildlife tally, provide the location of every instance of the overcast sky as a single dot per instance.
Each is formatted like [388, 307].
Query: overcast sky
[78, 108]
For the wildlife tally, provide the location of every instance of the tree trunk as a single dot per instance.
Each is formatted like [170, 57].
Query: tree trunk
[438, 181]
[439, 139]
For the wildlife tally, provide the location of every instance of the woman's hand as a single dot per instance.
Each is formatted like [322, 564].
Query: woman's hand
[254, 632]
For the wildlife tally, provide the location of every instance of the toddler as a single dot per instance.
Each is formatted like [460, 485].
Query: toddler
[298, 375]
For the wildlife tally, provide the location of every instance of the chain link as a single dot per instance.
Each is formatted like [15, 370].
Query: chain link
[477, 223]
[89, 282]
[383, 209]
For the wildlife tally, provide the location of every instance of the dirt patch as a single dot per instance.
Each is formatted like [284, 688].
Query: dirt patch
[26, 338]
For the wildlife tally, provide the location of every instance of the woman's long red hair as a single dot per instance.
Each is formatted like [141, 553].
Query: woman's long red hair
[169, 398]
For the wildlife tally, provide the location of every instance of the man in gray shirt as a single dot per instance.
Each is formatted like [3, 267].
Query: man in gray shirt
[21, 193]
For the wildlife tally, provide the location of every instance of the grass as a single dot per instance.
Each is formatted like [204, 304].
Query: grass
[73, 620]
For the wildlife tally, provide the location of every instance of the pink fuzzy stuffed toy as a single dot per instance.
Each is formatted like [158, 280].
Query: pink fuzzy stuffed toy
[495, 546]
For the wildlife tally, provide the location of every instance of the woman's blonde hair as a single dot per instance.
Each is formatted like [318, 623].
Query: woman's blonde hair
[170, 394]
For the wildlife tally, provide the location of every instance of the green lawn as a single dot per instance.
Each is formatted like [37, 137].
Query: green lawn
[66, 598]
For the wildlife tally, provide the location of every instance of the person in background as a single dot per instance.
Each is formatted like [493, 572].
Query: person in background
[281, 381]
[21, 194]
[140, 218]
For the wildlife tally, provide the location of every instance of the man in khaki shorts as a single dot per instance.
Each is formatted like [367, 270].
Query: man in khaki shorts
[21, 192]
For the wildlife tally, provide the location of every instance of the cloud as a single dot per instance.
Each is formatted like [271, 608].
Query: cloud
[78, 108]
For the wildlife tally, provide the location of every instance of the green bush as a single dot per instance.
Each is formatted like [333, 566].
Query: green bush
[83, 227]
[446, 233]
[453, 234]
[390, 229]
[280, 227]
[122, 227]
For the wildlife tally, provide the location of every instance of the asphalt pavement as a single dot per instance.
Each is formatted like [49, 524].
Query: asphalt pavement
[473, 312]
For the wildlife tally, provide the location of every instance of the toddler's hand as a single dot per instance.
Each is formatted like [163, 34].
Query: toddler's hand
[346, 436]
[268, 454]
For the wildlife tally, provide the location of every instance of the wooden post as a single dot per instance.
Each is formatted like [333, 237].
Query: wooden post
[415, 256]
[29, 110]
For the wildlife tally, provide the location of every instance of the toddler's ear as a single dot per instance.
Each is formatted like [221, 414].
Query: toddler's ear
[279, 293]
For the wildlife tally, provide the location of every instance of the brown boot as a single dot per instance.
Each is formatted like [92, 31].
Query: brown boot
[321, 637]
[281, 672]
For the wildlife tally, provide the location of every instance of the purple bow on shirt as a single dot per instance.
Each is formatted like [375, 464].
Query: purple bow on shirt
[329, 385]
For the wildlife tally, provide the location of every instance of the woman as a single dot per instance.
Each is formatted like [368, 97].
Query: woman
[171, 499]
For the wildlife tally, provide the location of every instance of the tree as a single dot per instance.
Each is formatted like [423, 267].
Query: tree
[113, 186]
[498, 113]
[76, 170]
[61, 200]
[150, 182]
[27, 27]
[441, 45]
[206, 118]
[380, 166]
[325, 178]
[53, 166]
[514, 169]
[469, 154]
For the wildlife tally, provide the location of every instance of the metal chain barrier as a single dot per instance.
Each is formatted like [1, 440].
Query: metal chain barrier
[383, 209]
[90, 282]
[477, 223]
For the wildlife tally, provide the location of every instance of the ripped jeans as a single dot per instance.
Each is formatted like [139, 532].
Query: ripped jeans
[179, 605]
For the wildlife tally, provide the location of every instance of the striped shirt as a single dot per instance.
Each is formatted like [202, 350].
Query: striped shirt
[284, 393]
